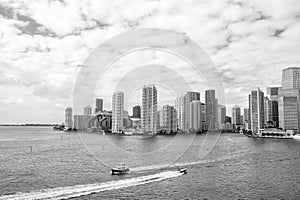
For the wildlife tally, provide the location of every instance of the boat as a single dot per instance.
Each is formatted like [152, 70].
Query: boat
[296, 137]
[183, 170]
[120, 169]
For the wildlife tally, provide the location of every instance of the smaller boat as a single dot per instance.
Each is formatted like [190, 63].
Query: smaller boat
[183, 170]
[120, 169]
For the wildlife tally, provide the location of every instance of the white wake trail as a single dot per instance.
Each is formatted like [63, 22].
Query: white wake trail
[80, 190]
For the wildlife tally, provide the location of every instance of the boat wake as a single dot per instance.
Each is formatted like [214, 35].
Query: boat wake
[81, 190]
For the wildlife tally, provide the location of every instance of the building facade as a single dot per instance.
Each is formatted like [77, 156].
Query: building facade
[168, 119]
[221, 116]
[291, 78]
[69, 117]
[256, 105]
[98, 105]
[149, 109]
[236, 116]
[136, 112]
[117, 112]
[195, 116]
[211, 109]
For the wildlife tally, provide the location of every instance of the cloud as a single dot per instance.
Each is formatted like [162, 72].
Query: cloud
[43, 44]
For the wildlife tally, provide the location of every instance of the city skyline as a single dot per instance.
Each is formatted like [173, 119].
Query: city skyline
[249, 42]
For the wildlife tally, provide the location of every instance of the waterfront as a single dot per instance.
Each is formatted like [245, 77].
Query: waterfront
[236, 167]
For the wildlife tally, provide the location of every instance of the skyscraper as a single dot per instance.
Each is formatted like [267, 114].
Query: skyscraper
[256, 105]
[179, 105]
[211, 107]
[117, 112]
[188, 98]
[236, 116]
[195, 116]
[98, 105]
[221, 116]
[169, 119]
[68, 117]
[289, 99]
[136, 112]
[288, 109]
[149, 109]
[246, 118]
[291, 78]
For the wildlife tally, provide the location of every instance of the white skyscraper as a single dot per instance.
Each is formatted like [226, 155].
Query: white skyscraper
[211, 109]
[195, 116]
[117, 112]
[68, 117]
[256, 105]
[149, 109]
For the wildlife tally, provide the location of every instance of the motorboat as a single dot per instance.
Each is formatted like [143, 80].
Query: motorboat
[120, 169]
[183, 170]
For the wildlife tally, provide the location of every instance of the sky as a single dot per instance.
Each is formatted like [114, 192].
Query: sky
[44, 44]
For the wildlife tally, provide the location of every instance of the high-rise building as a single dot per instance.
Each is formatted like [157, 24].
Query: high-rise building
[236, 116]
[98, 105]
[211, 109]
[195, 116]
[168, 119]
[268, 110]
[179, 105]
[136, 112]
[87, 111]
[149, 109]
[68, 117]
[221, 116]
[291, 78]
[203, 117]
[188, 98]
[117, 112]
[288, 109]
[273, 93]
[246, 118]
[289, 99]
[256, 105]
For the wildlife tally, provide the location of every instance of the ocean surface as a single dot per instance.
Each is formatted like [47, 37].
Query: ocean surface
[39, 163]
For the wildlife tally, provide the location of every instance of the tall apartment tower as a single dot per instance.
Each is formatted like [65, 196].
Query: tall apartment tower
[291, 78]
[246, 118]
[68, 117]
[98, 105]
[221, 116]
[236, 115]
[117, 112]
[188, 98]
[169, 119]
[211, 108]
[256, 108]
[136, 112]
[149, 109]
[179, 105]
[289, 99]
[195, 116]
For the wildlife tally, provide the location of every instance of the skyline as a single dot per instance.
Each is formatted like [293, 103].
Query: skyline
[249, 42]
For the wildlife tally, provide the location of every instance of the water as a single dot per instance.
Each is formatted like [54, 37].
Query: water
[76, 165]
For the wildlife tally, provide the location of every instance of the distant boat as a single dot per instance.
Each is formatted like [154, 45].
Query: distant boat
[296, 137]
[120, 169]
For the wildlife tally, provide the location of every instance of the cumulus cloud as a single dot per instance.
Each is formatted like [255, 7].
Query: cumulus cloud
[43, 44]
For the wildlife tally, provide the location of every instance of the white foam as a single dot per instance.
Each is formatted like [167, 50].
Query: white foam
[79, 190]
